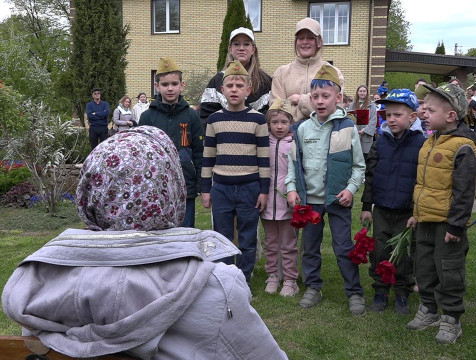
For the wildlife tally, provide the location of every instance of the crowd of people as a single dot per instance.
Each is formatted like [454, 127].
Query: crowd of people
[258, 147]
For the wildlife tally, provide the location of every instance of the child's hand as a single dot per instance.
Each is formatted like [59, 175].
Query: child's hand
[261, 203]
[345, 198]
[412, 222]
[206, 200]
[293, 198]
[366, 215]
[451, 238]
[294, 99]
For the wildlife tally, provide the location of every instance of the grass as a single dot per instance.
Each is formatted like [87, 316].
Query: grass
[326, 331]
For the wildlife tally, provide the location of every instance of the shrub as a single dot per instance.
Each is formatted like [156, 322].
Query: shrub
[11, 175]
[19, 195]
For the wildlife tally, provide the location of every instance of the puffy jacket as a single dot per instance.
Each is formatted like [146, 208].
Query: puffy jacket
[120, 120]
[182, 124]
[295, 78]
[446, 179]
[277, 207]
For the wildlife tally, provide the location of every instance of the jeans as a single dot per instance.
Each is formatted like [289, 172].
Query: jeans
[97, 134]
[239, 200]
[189, 219]
[340, 221]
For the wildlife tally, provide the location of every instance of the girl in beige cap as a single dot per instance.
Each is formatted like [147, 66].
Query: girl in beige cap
[292, 81]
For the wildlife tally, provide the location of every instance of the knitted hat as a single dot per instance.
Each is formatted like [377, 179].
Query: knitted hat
[455, 95]
[167, 65]
[309, 24]
[244, 31]
[235, 68]
[282, 105]
[328, 72]
[401, 96]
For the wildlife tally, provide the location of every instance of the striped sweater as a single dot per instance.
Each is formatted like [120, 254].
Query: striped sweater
[236, 149]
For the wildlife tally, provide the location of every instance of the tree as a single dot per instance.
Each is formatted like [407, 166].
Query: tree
[440, 49]
[471, 52]
[99, 51]
[398, 29]
[235, 17]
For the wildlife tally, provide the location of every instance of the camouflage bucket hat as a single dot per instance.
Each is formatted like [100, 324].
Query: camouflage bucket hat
[455, 95]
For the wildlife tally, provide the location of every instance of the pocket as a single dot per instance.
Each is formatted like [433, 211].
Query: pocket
[453, 274]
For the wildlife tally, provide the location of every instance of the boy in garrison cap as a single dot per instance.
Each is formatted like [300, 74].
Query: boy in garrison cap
[389, 183]
[443, 199]
[236, 157]
[173, 115]
[326, 168]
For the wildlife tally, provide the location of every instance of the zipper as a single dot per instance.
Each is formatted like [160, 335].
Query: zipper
[424, 175]
[276, 154]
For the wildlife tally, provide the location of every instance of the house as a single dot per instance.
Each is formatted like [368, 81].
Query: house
[354, 34]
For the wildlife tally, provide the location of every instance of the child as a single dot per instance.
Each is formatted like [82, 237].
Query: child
[443, 198]
[236, 155]
[326, 168]
[421, 92]
[172, 114]
[389, 182]
[280, 236]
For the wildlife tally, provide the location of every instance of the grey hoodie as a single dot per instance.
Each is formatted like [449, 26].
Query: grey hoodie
[156, 295]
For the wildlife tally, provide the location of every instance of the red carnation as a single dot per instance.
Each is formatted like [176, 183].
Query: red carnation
[304, 214]
[386, 270]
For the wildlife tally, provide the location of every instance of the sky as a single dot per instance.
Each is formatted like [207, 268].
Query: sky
[431, 21]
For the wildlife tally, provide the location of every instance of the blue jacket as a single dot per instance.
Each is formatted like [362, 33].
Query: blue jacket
[391, 170]
[101, 113]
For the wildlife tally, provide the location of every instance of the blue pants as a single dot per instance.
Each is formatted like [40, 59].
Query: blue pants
[97, 134]
[189, 219]
[239, 200]
[340, 220]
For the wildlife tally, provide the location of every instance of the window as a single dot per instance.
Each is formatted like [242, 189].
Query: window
[334, 20]
[253, 10]
[166, 16]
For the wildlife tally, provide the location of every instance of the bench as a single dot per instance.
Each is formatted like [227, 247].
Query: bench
[31, 348]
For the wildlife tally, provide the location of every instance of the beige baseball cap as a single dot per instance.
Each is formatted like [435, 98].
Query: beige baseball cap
[309, 24]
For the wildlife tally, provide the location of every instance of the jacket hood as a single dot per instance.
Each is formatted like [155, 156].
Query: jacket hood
[93, 257]
[180, 105]
[416, 126]
[286, 138]
[462, 130]
[338, 114]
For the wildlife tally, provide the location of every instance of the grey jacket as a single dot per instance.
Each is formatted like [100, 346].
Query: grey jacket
[156, 295]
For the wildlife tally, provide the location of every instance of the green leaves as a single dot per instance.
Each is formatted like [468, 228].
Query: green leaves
[401, 244]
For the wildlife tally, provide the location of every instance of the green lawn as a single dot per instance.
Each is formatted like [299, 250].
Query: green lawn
[324, 332]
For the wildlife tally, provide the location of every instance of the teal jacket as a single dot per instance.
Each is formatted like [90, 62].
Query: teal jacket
[182, 124]
[325, 159]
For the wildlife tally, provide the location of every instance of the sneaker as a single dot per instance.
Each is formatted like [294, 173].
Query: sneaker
[357, 305]
[450, 330]
[272, 284]
[380, 302]
[310, 298]
[289, 288]
[423, 319]
[402, 305]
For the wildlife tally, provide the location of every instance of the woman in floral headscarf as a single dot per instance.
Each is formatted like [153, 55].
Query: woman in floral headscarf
[154, 293]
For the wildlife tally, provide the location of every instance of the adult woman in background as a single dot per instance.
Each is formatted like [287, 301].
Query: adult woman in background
[243, 48]
[141, 106]
[293, 81]
[362, 102]
[123, 117]
[132, 282]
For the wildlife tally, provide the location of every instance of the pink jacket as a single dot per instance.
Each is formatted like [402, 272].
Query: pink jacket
[277, 207]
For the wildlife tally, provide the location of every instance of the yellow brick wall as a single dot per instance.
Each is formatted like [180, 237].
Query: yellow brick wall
[196, 46]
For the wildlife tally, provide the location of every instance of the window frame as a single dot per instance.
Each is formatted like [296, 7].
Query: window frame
[167, 18]
[336, 22]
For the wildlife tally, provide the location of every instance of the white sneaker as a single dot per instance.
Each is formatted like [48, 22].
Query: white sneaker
[272, 284]
[289, 288]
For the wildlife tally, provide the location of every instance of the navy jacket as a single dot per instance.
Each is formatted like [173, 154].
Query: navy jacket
[391, 171]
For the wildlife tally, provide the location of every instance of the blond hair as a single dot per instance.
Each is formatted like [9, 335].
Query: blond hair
[244, 78]
[124, 98]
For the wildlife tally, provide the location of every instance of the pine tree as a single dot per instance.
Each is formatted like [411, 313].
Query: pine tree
[99, 51]
[440, 49]
[234, 18]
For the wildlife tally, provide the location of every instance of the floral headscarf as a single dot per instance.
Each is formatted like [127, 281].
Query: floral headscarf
[132, 180]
